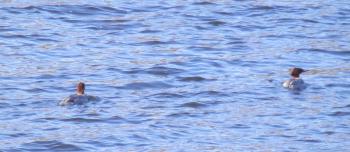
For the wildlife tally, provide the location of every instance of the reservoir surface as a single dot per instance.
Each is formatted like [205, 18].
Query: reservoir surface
[174, 75]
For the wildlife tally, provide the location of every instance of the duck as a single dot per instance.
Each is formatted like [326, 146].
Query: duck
[79, 97]
[295, 82]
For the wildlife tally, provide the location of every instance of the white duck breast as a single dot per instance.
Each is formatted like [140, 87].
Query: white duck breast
[294, 84]
[77, 99]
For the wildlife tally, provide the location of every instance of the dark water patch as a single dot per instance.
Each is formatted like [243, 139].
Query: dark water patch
[203, 48]
[8, 29]
[265, 10]
[21, 105]
[309, 140]
[176, 7]
[129, 71]
[20, 10]
[239, 126]
[156, 70]
[154, 42]
[150, 31]
[19, 114]
[139, 138]
[211, 94]
[32, 37]
[192, 79]
[49, 118]
[346, 106]
[82, 120]
[338, 85]
[268, 98]
[146, 85]
[43, 120]
[339, 114]
[167, 95]
[216, 23]
[113, 119]
[19, 135]
[181, 114]
[345, 24]
[4, 105]
[250, 27]
[177, 126]
[4, 18]
[71, 20]
[274, 36]
[36, 90]
[52, 129]
[275, 125]
[114, 69]
[107, 27]
[325, 51]
[329, 132]
[110, 21]
[198, 27]
[294, 21]
[15, 36]
[285, 20]
[92, 114]
[271, 115]
[154, 107]
[193, 105]
[279, 36]
[12, 11]
[163, 71]
[108, 141]
[224, 13]
[52, 145]
[263, 7]
[43, 77]
[46, 40]
[310, 21]
[97, 22]
[80, 10]
[203, 3]
[236, 43]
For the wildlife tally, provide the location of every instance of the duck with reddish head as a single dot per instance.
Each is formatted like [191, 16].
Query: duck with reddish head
[295, 82]
[79, 97]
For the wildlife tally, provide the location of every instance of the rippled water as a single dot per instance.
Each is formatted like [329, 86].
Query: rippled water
[174, 75]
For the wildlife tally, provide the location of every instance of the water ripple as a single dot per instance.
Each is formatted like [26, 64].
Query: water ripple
[146, 85]
[339, 113]
[193, 105]
[49, 145]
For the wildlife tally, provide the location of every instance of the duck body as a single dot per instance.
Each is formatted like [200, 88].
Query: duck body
[295, 84]
[77, 99]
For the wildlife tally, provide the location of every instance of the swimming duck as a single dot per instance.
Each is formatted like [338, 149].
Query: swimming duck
[79, 98]
[295, 83]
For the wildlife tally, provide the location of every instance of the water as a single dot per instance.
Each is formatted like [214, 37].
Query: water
[174, 75]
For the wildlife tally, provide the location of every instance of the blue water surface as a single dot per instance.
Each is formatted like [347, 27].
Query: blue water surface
[174, 75]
